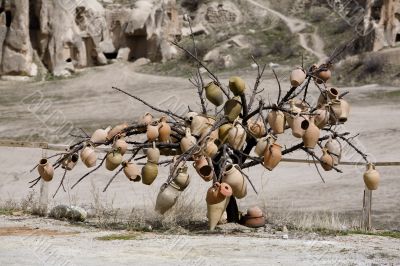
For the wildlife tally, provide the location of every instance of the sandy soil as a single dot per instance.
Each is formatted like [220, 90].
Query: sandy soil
[87, 101]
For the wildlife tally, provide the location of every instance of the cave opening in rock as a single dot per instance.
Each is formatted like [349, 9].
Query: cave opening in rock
[112, 55]
[397, 37]
[8, 18]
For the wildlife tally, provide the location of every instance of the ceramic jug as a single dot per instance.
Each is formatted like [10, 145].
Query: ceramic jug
[131, 171]
[272, 155]
[297, 77]
[371, 177]
[214, 94]
[237, 85]
[233, 177]
[46, 170]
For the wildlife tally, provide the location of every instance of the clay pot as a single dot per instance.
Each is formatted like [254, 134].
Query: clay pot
[276, 120]
[262, 145]
[297, 77]
[202, 167]
[322, 117]
[237, 137]
[311, 135]
[120, 145]
[149, 173]
[153, 154]
[327, 96]
[167, 197]
[233, 108]
[233, 177]
[371, 177]
[190, 116]
[335, 111]
[131, 171]
[214, 94]
[256, 128]
[254, 212]
[335, 150]
[100, 135]
[215, 212]
[327, 160]
[223, 132]
[272, 156]
[188, 141]
[206, 129]
[210, 149]
[345, 109]
[218, 192]
[116, 130]
[298, 124]
[46, 170]
[237, 85]
[198, 125]
[164, 130]
[70, 162]
[146, 119]
[113, 160]
[323, 76]
[89, 156]
[152, 133]
[253, 222]
[182, 179]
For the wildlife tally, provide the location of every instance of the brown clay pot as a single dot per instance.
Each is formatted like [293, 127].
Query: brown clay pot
[113, 160]
[100, 135]
[299, 125]
[218, 192]
[253, 222]
[89, 156]
[371, 177]
[272, 156]
[120, 145]
[256, 128]
[164, 130]
[335, 111]
[276, 120]
[345, 109]
[334, 149]
[262, 144]
[202, 167]
[297, 77]
[311, 135]
[215, 212]
[210, 149]
[233, 108]
[326, 160]
[327, 96]
[237, 137]
[223, 132]
[254, 212]
[116, 130]
[233, 177]
[323, 76]
[214, 94]
[153, 154]
[188, 141]
[167, 197]
[70, 162]
[146, 119]
[198, 125]
[149, 173]
[131, 171]
[182, 179]
[152, 133]
[322, 117]
[46, 170]
[237, 85]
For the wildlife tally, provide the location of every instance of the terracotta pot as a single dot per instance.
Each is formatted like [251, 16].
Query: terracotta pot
[297, 77]
[206, 129]
[257, 127]
[188, 141]
[323, 76]
[120, 145]
[131, 171]
[298, 124]
[70, 162]
[116, 130]
[327, 96]
[198, 125]
[202, 167]
[237, 137]
[149, 173]
[335, 150]
[153, 154]
[215, 212]
[272, 156]
[152, 133]
[218, 192]
[335, 111]
[253, 222]
[113, 160]
[326, 160]
[262, 145]
[210, 149]
[371, 177]
[311, 135]
[89, 156]
[233, 108]
[214, 94]
[46, 170]
[223, 132]
[100, 135]
[182, 179]
[345, 109]
[276, 120]
[233, 177]
[322, 117]
[190, 116]
[167, 197]
[146, 119]
[237, 85]
[164, 130]
[254, 212]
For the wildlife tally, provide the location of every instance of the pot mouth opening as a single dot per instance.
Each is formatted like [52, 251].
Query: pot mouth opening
[43, 161]
[343, 119]
[334, 91]
[229, 167]
[74, 157]
[305, 124]
[205, 170]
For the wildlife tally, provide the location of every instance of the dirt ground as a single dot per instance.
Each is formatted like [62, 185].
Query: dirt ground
[88, 102]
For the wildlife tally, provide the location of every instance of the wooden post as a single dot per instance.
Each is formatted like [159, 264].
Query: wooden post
[366, 212]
